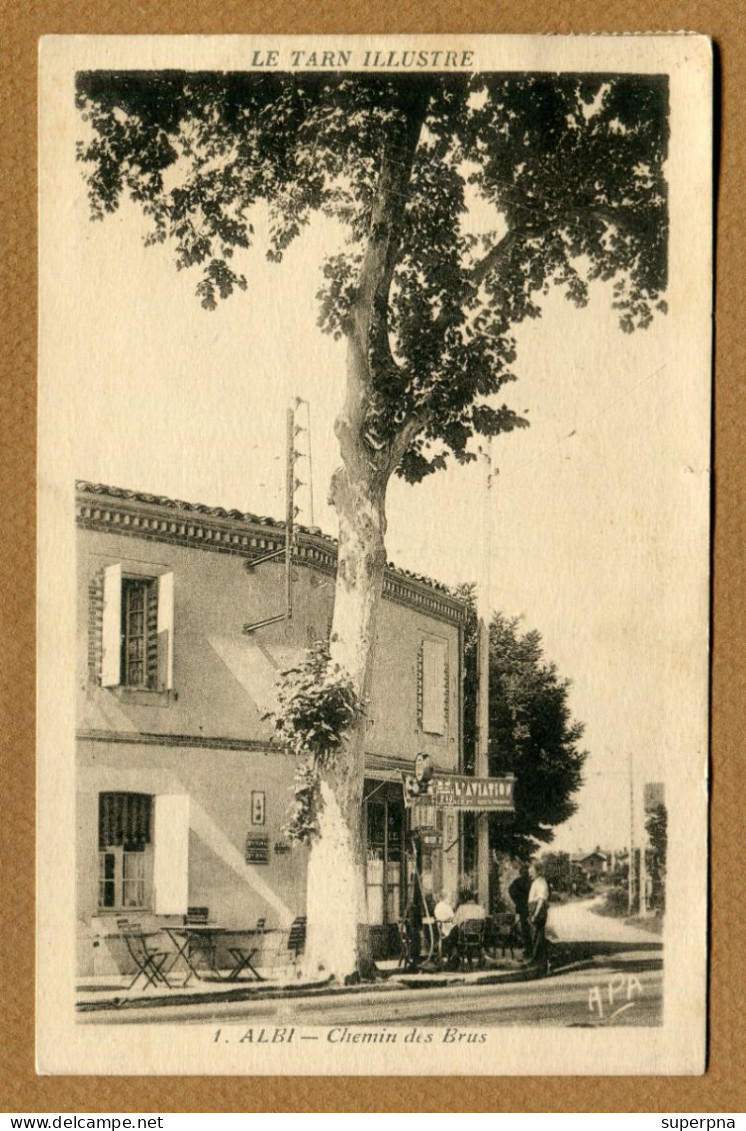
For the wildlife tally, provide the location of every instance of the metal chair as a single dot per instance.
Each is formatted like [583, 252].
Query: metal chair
[297, 937]
[471, 941]
[196, 947]
[409, 951]
[149, 963]
[196, 916]
[243, 954]
[505, 932]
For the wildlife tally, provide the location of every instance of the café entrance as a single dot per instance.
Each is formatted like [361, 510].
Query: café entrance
[385, 829]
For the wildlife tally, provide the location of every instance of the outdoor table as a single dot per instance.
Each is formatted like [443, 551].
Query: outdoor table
[149, 963]
[203, 938]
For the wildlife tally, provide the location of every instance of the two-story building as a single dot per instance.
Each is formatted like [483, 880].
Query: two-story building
[182, 793]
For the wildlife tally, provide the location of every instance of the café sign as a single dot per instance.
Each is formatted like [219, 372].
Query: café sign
[461, 791]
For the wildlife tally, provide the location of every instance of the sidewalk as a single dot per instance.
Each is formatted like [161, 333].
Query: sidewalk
[110, 993]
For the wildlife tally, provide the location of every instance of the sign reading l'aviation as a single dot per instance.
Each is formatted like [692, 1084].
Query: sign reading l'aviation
[463, 792]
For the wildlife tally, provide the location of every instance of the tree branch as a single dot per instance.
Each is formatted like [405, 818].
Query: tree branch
[479, 272]
[369, 312]
[404, 437]
[610, 215]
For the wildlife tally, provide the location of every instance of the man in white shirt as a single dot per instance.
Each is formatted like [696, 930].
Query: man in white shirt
[538, 909]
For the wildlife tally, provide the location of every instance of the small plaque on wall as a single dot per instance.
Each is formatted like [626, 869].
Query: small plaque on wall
[257, 849]
[258, 798]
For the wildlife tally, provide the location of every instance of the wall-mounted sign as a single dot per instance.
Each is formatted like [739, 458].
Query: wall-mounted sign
[257, 849]
[460, 791]
[430, 838]
[258, 800]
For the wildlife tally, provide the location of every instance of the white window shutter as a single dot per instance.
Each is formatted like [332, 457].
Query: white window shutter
[171, 854]
[111, 631]
[165, 632]
[433, 686]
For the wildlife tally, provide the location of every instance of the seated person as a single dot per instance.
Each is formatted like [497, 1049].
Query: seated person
[443, 913]
[467, 910]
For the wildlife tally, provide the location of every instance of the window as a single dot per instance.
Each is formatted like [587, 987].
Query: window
[125, 851]
[137, 631]
[143, 856]
[139, 661]
[432, 686]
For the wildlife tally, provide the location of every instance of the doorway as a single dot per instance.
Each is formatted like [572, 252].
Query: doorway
[385, 880]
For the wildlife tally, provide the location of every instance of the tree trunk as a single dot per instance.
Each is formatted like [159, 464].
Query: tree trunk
[337, 905]
[337, 941]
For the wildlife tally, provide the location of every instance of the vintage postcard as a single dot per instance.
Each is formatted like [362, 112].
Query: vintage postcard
[374, 445]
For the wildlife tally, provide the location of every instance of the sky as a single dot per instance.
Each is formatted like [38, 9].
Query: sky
[585, 510]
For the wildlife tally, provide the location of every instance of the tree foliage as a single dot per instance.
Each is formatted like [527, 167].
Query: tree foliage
[567, 171]
[656, 826]
[316, 705]
[558, 871]
[462, 199]
[531, 733]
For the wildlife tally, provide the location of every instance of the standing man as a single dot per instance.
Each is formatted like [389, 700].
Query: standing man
[538, 909]
[518, 892]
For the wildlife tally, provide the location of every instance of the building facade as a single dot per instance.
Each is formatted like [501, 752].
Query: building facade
[182, 794]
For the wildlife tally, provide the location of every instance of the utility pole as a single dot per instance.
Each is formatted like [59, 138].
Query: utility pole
[287, 551]
[483, 684]
[631, 877]
[307, 454]
[289, 512]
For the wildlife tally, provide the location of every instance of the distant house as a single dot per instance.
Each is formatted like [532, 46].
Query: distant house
[594, 864]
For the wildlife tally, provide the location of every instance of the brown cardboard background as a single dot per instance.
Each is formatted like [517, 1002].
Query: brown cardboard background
[721, 1089]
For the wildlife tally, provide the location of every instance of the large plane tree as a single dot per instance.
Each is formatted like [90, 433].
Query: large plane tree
[568, 174]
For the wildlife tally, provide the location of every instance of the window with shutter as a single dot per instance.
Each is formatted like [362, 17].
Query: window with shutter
[171, 861]
[433, 686]
[136, 627]
[111, 630]
[165, 629]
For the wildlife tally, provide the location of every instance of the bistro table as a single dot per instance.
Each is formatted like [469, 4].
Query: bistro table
[193, 939]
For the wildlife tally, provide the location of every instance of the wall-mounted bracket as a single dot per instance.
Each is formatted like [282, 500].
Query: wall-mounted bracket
[249, 628]
[253, 562]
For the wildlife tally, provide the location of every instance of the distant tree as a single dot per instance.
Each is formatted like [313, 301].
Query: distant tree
[531, 733]
[568, 173]
[657, 830]
[558, 870]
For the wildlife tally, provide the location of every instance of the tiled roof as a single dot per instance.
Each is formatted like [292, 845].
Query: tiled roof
[245, 517]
